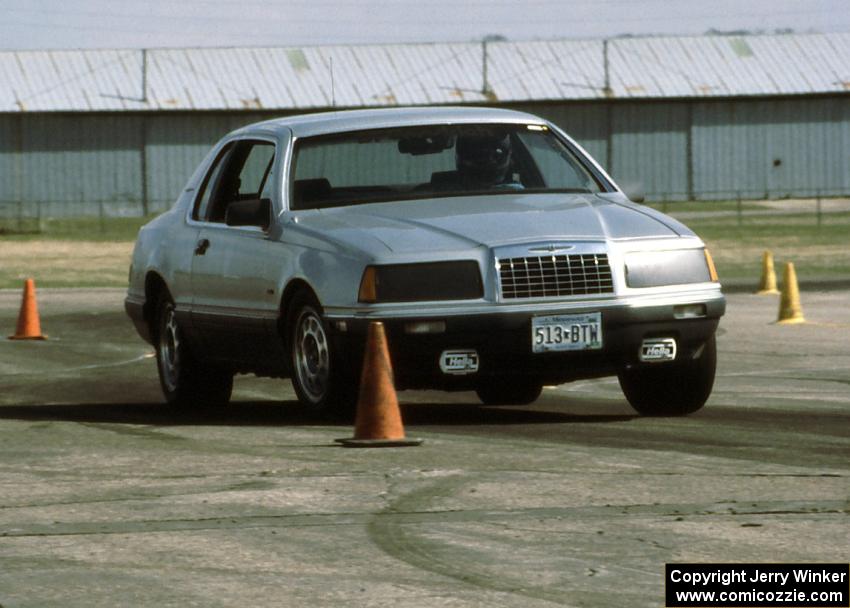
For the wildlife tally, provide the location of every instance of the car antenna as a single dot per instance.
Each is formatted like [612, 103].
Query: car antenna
[333, 96]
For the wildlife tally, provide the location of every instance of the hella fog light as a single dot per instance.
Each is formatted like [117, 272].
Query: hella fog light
[657, 350]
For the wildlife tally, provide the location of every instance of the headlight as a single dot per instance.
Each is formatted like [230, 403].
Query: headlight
[421, 282]
[660, 268]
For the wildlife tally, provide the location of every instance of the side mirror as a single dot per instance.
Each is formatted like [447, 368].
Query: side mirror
[634, 191]
[254, 212]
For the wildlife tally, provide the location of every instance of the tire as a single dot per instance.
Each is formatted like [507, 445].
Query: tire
[672, 389]
[512, 391]
[185, 381]
[320, 379]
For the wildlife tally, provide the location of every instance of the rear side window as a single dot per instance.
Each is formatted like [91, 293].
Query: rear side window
[241, 172]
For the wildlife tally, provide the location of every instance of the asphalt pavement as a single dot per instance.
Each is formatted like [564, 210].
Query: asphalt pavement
[110, 498]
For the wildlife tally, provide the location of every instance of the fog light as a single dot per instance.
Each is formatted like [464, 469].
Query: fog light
[656, 350]
[341, 326]
[425, 327]
[689, 311]
[459, 362]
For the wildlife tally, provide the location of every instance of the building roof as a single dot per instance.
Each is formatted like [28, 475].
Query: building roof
[423, 74]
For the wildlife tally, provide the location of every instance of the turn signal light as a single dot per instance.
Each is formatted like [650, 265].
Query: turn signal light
[712, 271]
[368, 286]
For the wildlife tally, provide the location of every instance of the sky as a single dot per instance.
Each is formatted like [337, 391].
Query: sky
[75, 24]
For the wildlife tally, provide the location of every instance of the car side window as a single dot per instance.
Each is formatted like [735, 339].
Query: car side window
[202, 202]
[558, 167]
[243, 173]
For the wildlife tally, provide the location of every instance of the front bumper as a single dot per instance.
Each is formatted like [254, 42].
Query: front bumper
[502, 340]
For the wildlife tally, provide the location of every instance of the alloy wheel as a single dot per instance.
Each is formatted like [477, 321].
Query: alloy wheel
[312, 355]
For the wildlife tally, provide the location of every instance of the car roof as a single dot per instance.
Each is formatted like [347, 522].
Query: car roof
[306, 125]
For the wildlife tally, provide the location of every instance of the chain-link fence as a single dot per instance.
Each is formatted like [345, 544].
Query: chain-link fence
[36, 216]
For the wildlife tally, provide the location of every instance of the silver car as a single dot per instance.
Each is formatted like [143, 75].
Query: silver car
[499, 256]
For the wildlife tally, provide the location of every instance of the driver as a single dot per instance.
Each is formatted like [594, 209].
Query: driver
[484, 161]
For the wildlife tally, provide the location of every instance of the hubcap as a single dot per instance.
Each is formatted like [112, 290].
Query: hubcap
[311, 355]
[169, 350]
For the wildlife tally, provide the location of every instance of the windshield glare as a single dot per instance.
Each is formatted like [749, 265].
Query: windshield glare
[437, 161]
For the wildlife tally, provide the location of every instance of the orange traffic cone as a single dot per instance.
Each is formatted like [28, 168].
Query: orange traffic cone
[378, 422]
[29, 327]
[767, 286]
[790, 310]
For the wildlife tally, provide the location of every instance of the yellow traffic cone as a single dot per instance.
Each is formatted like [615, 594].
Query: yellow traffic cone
[790, 311]
[768, 276]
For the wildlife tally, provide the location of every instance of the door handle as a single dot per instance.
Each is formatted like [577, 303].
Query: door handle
[202, 247]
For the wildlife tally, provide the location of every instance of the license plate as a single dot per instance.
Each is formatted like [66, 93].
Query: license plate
[566, 332]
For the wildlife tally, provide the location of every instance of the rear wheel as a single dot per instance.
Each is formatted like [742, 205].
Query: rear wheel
[672, 389]
[184, 380]
[510, 391]
[319, 378]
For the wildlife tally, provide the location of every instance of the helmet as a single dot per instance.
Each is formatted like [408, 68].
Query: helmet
[484, 158]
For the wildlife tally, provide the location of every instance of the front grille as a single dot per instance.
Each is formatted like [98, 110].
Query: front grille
[555, 275]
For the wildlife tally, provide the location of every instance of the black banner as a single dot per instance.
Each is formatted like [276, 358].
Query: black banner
[757, 585]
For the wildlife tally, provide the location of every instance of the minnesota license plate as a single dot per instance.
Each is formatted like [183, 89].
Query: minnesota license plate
[566, 332]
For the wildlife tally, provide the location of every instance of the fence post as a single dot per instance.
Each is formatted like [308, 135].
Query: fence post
[39, 219]
[740, 210]
[818, 202]
[101, 215]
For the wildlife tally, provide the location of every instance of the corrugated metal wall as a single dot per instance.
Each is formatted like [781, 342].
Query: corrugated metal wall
[587, 123]
[176, 143]
[718, 149]
[772, 148]
[10, 174]
[65, 165]
[74, 162]
[649, 146]
[92, 163]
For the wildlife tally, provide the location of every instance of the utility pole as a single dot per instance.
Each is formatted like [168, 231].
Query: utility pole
[333, 92]
[144, 76]
[486, 91]
[485, 86]
[609, 108]
[143, 137]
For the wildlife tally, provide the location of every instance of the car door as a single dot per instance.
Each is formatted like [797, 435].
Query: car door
[235, 269]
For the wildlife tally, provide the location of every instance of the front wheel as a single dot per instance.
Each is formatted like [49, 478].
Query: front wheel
[184, 380]
[672, 389]
[319, 378]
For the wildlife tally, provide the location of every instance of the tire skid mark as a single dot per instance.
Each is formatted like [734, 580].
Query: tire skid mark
[403, 541]
[146, 432]
[81, 368]
[152, 495]
[408, 510]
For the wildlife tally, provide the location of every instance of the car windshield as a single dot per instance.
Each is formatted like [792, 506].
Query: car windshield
[435, 161]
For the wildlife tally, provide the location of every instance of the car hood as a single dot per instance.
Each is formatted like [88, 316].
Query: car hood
[457, 223]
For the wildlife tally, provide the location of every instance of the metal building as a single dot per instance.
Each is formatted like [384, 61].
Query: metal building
[703, 117]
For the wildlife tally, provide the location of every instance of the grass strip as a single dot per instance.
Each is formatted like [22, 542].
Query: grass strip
[93, 252]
